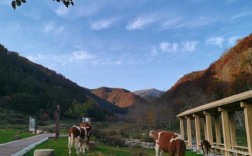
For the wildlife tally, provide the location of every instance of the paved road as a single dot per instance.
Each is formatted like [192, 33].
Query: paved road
[20, 147]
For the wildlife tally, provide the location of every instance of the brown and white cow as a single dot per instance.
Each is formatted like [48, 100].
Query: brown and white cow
[78, 136]
[87, 129]
[206, 146]
[168, 142]
[74, 136]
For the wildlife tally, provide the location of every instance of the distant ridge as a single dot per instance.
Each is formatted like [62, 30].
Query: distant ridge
[149, 94]
[119, 97]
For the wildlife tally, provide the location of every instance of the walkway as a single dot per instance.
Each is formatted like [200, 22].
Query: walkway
[20, 147]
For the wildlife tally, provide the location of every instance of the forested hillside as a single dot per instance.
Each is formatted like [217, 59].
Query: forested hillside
[231, 74]
[33, 89]
[119, 97]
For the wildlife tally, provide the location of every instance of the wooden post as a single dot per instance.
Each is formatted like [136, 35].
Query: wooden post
[248, 123]
[189, 131]
[197, 130]
[232, 130]
[208, 130]
[182, 128]
[57, 119]
[205, 132]
[225, 129]
[217, 126]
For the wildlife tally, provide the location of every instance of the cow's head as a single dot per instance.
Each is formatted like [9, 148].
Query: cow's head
[151, 134]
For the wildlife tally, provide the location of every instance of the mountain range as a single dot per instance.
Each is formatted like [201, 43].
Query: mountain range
[149, 94]
[27, 86]
[119, 97]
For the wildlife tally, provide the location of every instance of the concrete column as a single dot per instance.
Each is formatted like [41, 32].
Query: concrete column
[225, 129]
[248, 123]
[232, 130]
[217, 126]
[189, 131]
[197, 130]
[209, 132]
[182, 128]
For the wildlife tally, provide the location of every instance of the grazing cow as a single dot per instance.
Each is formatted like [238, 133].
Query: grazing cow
[74, 136]
[85, 142]
[206, 146]
[168, 142]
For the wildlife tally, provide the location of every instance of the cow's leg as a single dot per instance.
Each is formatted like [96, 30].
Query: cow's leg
[69, 144]
[171, 153]
[77, 144]
[157, 149]
[84, 147]
[204, 149]
[160, 152]
[81, 146]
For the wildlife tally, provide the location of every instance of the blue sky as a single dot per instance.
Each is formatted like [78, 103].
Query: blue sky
[131, 44]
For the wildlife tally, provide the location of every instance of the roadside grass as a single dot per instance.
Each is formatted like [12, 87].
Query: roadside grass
[7, 135]
[61, 149]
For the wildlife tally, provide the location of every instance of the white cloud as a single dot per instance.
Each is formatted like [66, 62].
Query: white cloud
[62, 10]
[76, 57]
[178, 47]
[168, 47]
[48, 27]
[171, 23]
[216, 41]
[87, 10]
[232, 40]
[154, 51]
[6, 2]
[242, 14]
[180, 22]
[102, 24]
[118, 62]
[189, 46]
[140, 22]
[231, 1]
[36, 58]
[54, 29]
[80, 56]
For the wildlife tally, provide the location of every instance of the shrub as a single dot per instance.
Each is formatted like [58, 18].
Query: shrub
[115, 140]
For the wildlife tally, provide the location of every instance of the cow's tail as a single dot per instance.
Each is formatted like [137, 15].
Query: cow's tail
[181, 148]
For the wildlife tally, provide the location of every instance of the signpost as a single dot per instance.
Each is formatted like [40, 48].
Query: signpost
[32, 124]
[86, 119]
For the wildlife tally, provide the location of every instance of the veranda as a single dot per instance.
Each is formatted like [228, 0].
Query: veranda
[219, 126]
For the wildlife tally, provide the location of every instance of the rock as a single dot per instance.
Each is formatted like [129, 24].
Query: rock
[16, 137]
[91, 145]
[44, 152]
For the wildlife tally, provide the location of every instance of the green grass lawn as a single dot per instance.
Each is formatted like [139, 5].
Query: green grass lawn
[101, 149]
[7, 135]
